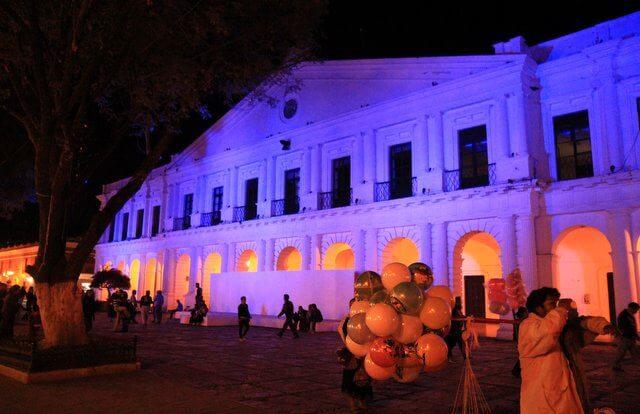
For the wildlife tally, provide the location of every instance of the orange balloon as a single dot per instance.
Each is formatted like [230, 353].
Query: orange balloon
[357, 349]
[382, 319]
[409, 330]
[436, 369]
[361, 306]
[442, 291]
[407, 374]
[435, 313]
[394, 273]
[433, 349]
[377, 372]
[383, 352]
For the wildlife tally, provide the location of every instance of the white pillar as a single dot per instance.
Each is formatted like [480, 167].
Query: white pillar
[371, 250]
[271, 180]
[435, 143]
[439, 254]
[231, 257]
[359, 249]
[168, 276]
[425, 244]
[619, 235]
[527, 254]
[517, 124]
[268, 255]
[611, 132]
[501, 128]
[316, 252]
[508, 251]
[224, 257]
[262, 255]
[264, 205]
[306, 253]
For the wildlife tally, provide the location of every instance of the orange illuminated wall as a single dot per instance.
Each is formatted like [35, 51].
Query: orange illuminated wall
[247, 261]
[402, 250]
[339, 256]
[289, 259]
[212, 265]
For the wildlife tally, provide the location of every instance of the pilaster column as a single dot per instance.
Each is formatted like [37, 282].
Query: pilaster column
[439, 254]
[611, 132]
[527, 254]
[262, 253]
[501, 128]
[264, 206]
[231, 257]
[435, 144]
[517, 124]
[619, 235]
[224, 256]
[359, 249]
[168, 276]
[371, 249]
[316, 252]
[164, 207]
[268, 255]
[425, 244]
[201, 195]
[508, 250]
[306, 253]
[271, 179]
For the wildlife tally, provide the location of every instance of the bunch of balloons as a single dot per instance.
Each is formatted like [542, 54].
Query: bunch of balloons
[498, 296]
[397, 322]
[516, 293]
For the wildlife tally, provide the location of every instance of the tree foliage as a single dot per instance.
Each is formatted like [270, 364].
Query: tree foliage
[81, 76]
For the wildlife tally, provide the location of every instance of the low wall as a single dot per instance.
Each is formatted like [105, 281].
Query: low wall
[329, 289]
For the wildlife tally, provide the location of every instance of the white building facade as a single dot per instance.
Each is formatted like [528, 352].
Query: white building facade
[475, 165]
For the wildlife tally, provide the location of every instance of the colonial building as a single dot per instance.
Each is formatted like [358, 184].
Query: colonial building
[528, 158]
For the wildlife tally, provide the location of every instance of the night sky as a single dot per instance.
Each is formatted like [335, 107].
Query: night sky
[362, 29]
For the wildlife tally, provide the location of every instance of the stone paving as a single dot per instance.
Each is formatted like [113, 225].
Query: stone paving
[200, 370]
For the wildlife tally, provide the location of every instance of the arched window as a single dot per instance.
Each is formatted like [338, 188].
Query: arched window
[247, 261]
[289, 259]
[338, 256]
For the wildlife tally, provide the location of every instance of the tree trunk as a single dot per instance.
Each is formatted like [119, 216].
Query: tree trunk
[61, 313]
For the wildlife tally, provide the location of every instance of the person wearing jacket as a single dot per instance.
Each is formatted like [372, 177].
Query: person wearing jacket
[287, 311]
[628, 334]
[547, 381]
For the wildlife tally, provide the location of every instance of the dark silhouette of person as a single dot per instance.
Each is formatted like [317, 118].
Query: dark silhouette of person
[244, 317]
[287, 311]
[199, 297]
[455, 332]
[88, 309]
[10, 308]
[629, 334]
[315, 316]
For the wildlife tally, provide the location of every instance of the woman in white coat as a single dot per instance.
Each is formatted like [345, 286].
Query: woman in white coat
[547, 383]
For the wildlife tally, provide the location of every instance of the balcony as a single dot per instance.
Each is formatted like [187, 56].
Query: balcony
[211, 219]
[469, 178]
[285, 206]
[244, 213]
[181, 223]
[336, 198]
[391, 190]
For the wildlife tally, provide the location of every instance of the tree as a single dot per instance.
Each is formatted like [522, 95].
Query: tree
[81, 76]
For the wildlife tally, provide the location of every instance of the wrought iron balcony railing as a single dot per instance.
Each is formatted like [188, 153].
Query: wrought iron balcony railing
[469, 178]
[390, 190]
[336, 198]
[181, 223]
[245, 213]
[285, 206]
[211, 219]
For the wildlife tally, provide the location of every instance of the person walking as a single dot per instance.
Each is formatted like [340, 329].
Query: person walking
[158, 303]
[123, 315]
[287, 311]
[133, 306]
[455, 331]
[88, 309]
[628, 335]
[145, 307]
[547, 384]
[244, 317]
[315, 317]
[199, 297]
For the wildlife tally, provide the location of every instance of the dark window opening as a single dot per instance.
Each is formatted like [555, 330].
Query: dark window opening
[112, 231]
[573, 145]
[125, 226]
[474, 304]
[341, 182]
[155, 224]
[400, 174]
[474, 160]
[139, 223]
[292, 191]
[216, 204]
[251, 199]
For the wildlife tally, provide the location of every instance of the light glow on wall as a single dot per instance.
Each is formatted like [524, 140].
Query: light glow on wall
[402, 250]
[289, 259]
[183, 268]
[247, 261]
[339, 256]
[134, 274]
[212, 265]
[151, 273]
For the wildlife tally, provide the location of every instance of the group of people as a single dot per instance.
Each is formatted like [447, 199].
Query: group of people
[123, 310]
[303, 320]
[13, 300]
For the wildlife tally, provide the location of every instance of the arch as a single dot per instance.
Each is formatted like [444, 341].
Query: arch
[476, 253]
[581, 262]
[151, 277]
[181, 283]
[247, 261]
[289, 259]
[134, 274]
[121, 265]
[400, 249]
[338, 256]
[212, 265]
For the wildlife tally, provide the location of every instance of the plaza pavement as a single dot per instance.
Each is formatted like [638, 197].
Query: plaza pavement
[206, 370]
